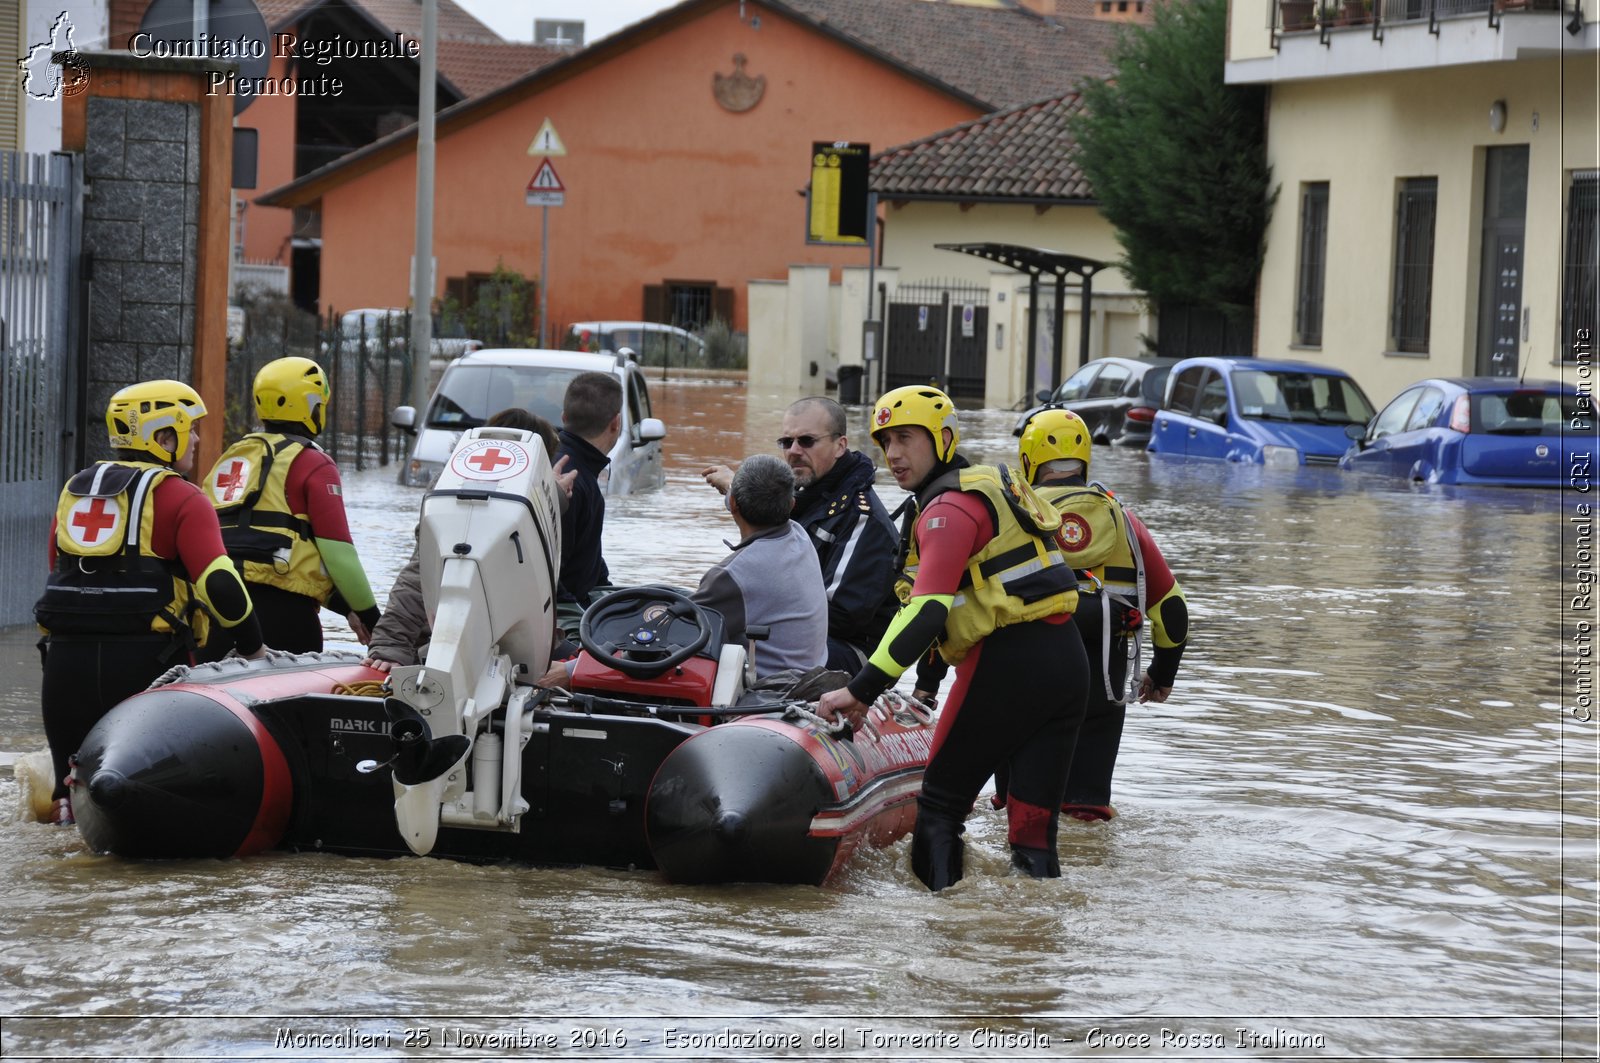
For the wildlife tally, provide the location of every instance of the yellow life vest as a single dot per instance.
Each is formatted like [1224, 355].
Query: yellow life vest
[1098, 540]
[1095, 533]
[108, 580]
[270, 543]
[1021, 574]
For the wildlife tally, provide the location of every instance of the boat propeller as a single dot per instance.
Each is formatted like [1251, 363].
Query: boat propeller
[418, 757]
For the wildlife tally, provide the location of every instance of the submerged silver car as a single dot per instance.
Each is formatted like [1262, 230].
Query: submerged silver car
[478, 385]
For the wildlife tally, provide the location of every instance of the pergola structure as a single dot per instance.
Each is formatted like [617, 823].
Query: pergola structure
[1036, 261]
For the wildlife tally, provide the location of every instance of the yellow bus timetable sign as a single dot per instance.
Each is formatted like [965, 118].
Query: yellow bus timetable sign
[836, 202]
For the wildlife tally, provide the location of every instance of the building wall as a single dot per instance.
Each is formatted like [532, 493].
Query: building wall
[1249, 33]
[266, 230]
[661, 182]
[1118, 317]
[914, 227]
[1418, 124]
[1117, 314]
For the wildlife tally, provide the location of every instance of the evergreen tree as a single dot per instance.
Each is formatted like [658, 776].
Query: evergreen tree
[1178, 160]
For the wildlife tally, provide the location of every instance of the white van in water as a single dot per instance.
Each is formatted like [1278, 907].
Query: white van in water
[480, 384]
[646, 339]
[375, 326]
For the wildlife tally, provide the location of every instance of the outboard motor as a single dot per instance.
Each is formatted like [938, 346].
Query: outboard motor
[490, 548]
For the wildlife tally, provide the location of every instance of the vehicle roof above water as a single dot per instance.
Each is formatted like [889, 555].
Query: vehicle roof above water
[1153, 361]
[523, 356]
[645, 326]
[1497, 384]
[1268, 365]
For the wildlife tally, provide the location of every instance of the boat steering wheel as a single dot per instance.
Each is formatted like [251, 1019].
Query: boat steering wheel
[643, 631]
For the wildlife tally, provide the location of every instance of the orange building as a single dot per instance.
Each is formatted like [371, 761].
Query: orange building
[299, 133]
[687, 141]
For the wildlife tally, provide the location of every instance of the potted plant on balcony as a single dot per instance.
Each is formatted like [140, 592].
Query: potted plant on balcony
[1355, 12]
[1298, 15]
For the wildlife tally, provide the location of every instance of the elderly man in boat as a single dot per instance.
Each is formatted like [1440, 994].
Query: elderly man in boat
[771, 581]
[772, 578]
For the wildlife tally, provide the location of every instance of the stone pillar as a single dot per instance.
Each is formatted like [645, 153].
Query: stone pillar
[158, 169]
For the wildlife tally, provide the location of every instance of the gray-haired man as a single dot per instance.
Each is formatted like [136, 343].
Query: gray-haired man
[772, 577]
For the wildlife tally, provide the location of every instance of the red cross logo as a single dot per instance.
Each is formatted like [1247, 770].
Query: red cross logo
[485, 459]
[1075, 534]
[883, 416]
[489, 460]
[93, 521]
[230, 480]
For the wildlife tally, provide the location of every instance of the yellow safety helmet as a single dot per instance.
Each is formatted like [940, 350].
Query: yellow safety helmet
[137, 412]
[1053, 434]
[293, 390]
[921, 405]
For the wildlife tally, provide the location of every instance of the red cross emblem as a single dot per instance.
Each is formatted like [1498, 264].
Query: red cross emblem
[489, 460]
[93, 519]
[230, 480]
[485, 459]
[1075, 534]
[882, 416]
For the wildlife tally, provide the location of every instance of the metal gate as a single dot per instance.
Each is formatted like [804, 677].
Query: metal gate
[40, 229]
[936, 335]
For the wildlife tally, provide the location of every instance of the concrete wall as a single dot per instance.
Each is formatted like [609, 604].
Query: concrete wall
[1418, 124]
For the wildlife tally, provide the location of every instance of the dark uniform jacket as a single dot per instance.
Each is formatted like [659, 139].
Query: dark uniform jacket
[583, 568]
[856, 545]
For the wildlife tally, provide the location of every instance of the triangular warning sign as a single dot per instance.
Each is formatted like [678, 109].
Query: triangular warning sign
[545, 180]
[546, 142]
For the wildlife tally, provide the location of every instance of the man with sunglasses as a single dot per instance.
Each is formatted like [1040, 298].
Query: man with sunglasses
[856, 541]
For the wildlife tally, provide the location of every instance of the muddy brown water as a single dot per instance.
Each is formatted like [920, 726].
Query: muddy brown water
[1364, 825]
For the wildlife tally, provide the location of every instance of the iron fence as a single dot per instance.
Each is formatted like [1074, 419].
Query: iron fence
[1305, 16]
[41, 216]
[368, 363]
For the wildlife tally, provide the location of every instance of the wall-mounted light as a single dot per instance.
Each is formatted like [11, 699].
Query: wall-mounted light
[1497, 116]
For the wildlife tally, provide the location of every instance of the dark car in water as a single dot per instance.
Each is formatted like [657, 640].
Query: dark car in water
[1476, 430]
[1116, 397]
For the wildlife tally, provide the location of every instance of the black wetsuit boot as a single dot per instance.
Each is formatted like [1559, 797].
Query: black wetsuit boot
[937, 850]
[1038, 863]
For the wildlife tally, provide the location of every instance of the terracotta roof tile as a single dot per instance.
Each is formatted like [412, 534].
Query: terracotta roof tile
[476, 68]
[1024, 153]
[405, 16]
[999, 56]
[402, 16]
[472, 57]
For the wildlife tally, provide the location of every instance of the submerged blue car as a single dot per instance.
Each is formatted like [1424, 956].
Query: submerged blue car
[1477, 430]
[1251, 410]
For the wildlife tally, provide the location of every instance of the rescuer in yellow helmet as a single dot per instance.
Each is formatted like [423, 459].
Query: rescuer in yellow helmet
[986, 584]
[1128, 583]
[281, 503]
[137, 571]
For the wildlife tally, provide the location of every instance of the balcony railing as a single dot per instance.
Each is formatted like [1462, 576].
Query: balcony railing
[1323, 16]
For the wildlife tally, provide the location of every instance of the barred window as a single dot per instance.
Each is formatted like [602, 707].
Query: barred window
[1313, 264]
[1413, 262]
[1581, 277]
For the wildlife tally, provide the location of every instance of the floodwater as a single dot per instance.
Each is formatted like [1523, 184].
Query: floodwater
[1363, 826]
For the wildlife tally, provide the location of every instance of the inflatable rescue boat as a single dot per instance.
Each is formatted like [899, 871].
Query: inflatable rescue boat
[658, 753]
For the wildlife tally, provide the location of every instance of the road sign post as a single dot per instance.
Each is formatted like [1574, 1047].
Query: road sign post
[544, 191]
